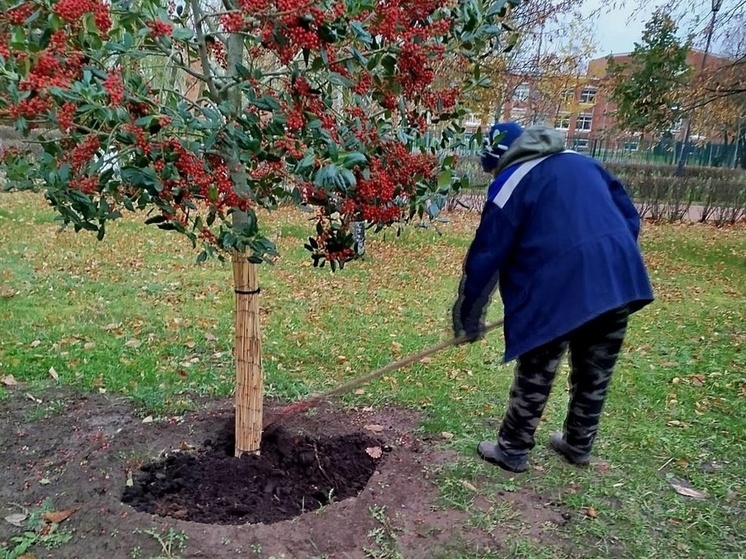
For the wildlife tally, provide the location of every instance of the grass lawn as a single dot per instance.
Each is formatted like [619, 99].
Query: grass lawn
[134, 315]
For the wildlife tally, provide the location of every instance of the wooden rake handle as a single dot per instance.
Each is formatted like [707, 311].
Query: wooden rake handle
[316, 399]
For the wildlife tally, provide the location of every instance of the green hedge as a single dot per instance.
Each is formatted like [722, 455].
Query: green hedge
[702, 194]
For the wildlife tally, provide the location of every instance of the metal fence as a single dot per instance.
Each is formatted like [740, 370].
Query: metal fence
[663, 152]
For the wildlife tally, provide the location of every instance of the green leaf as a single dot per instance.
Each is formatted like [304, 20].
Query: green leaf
[182, 34]
[444, 179]
[350, 160]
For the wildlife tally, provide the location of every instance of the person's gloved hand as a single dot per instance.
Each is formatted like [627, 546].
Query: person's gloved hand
[473, 330]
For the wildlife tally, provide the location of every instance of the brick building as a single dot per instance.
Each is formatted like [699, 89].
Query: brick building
[580, 108]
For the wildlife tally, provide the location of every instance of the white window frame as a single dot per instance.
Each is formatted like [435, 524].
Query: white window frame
[584, 122]
[562, 121]
[588, 94]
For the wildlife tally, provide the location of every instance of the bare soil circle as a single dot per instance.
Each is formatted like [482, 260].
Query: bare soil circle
[293, 474]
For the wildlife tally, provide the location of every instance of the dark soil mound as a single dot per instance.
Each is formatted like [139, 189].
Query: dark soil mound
[292, 475]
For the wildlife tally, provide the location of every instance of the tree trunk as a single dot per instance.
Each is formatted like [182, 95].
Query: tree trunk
[248, 354]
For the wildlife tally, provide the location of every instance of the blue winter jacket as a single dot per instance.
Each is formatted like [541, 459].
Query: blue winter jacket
[559, 235]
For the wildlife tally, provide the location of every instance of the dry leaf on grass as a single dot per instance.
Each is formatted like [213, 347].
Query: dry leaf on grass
[17, 519]
[210, 337]
[9, 380]
[374, 428]
[88, 346]
[446, 435]
[468, 485]
[683, 488]
[53, 373]
[374, 452]
[359, 392]
[133, 343]
[59, 516]
[36, 343]
[590, 512]
[148, 419]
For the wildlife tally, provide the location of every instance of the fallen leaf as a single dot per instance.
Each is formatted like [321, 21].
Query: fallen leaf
[426, 360]
[26, 556]
[17, 519]
[33, 398]
[7, 292]
[374, 452]
[53, 373]
[374, 428]
[190, 344]
[590, 512]
[130, 482]
[683, 488]
[210, 337]
[133, 343]
[468, 485]
[446, 435]
[603, 467]
[112, 326]
[36, 343]
[341, 359]
[88, 346]
[359, 392]
[59, 516]
[148, 419]
[9, 380]
[697, 380]
[44, 481]
[396, 348]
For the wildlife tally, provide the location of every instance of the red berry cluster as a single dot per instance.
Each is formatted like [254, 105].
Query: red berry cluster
[84, 152]
[72, 11]
[19, 14]
[114, 86]
[65, 116]
[31, 108]
[159, 28]
[86, 185]
[142, 143]
[233, 22]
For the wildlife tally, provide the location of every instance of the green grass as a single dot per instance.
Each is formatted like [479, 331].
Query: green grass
[134, 315]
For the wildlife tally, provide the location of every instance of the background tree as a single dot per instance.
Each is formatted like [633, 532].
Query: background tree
[650, 90]
[203, 114]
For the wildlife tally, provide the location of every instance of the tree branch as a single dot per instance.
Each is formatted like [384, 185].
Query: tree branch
[202, 46]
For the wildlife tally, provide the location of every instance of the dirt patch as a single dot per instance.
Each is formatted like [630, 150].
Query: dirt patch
[292, 475]
[79, 456]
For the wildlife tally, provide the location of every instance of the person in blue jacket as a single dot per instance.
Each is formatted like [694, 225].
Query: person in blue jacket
[558, 236]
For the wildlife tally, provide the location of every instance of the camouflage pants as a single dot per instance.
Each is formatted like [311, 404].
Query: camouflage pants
[594, 348]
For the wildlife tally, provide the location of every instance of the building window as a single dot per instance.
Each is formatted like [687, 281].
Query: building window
[584, 122]
[588, 95]
[562, 122]
[568, 96]
[581, 144]
[521, 93]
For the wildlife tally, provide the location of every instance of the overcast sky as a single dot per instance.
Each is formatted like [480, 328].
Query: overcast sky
[614, 31]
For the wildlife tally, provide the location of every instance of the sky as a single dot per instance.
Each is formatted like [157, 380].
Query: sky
[614, 31]
[617, 28]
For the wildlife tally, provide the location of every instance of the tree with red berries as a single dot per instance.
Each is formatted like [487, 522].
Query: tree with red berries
[199, 114]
